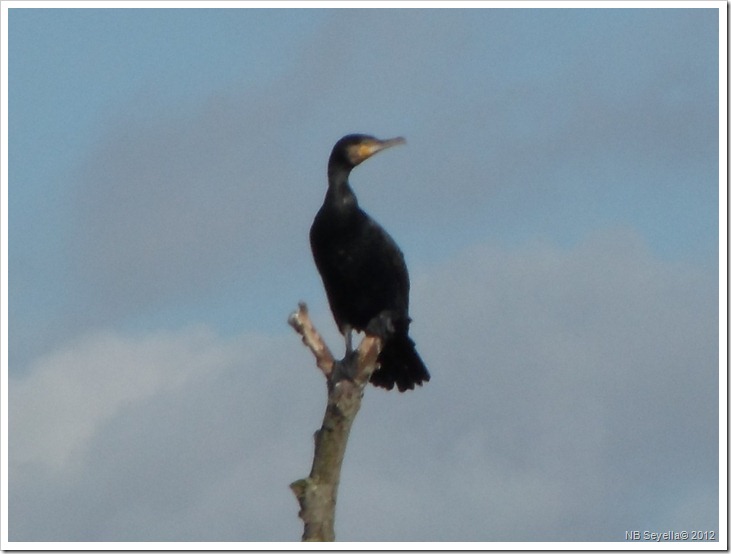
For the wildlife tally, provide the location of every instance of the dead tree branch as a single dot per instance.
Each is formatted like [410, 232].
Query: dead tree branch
[317, 494]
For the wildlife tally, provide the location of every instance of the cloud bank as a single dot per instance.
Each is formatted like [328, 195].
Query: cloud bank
[574, 398]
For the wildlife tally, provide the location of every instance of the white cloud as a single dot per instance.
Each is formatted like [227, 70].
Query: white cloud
[573, 397]
[118, 437]
[67, 396]
[574, 394]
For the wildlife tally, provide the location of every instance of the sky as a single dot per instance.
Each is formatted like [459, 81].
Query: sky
[557, 202]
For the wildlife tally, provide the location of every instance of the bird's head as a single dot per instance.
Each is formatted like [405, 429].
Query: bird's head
[351, 150]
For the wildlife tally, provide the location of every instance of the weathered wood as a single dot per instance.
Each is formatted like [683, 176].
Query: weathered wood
[317, 494]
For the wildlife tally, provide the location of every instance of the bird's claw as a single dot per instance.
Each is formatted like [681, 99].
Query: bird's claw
[347, 368]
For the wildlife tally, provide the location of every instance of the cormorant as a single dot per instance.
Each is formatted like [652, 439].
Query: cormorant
[363, 270]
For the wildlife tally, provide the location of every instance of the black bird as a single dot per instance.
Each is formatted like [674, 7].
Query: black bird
[363, 270]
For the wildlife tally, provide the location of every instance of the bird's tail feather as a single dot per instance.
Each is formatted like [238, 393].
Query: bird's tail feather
[400, 365]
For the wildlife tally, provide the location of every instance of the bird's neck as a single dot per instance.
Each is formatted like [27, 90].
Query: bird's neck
[339, 193]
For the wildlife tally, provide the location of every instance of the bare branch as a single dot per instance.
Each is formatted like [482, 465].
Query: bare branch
[317, 494]
[300, 321]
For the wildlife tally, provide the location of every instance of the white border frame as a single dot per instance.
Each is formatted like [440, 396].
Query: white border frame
[722, 543]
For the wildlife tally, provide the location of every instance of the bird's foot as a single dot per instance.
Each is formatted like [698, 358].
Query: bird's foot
[347, 368]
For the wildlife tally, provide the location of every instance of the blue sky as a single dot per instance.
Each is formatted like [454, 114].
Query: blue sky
[557, 203]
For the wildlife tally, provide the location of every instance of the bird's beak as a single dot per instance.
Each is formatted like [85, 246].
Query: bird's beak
[388, 143]
[367, 149]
